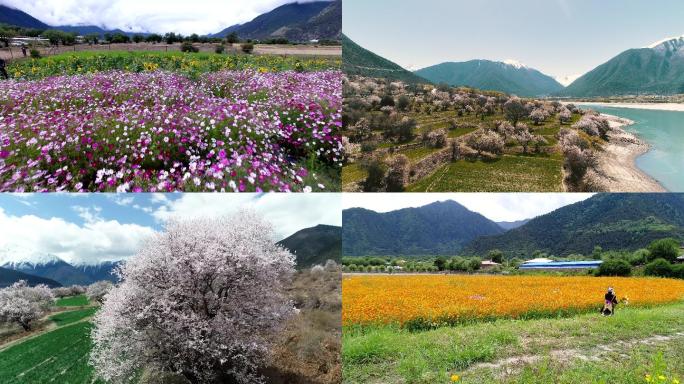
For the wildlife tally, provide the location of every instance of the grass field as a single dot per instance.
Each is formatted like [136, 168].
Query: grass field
[509, 173]
[59, 356]
[73, 301]
[64, 318]
[587, 348]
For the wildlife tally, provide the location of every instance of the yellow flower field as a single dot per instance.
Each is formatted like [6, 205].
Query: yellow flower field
[443, 299]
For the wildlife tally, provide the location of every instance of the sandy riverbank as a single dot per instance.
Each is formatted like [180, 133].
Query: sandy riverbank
[676, 107]
[617, 161]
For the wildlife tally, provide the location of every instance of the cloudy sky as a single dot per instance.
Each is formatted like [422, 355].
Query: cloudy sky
[558, 37]
[183, 16]
[87, 228]
[494, 206]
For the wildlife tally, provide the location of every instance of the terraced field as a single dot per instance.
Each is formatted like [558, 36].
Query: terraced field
[59, 356]
[514, 171]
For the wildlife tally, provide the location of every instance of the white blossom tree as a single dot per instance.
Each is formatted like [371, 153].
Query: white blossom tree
[22, 304]
[204, 299]
[564, 115]
[98, 290]
[538, 115]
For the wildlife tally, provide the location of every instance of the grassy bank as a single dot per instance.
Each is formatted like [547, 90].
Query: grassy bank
[582, 349]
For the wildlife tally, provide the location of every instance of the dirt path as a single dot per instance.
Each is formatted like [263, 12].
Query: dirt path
[514, 365]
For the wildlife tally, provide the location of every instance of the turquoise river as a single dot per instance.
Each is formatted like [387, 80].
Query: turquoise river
[664, 131]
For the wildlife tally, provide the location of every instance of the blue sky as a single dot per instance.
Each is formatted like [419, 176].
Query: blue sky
[557, 37]
[88, 228]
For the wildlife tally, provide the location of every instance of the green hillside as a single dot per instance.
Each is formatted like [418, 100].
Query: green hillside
[438, 228]
[315, 245]
[493, 76]
[633, 72]
[357, 61]
[611, 221]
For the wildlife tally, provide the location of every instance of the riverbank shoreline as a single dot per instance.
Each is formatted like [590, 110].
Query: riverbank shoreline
[617, 160]
[672, 107]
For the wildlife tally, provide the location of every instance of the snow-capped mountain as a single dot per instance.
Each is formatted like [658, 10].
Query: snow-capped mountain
[655, 69]
[52, 267]
[509, 76]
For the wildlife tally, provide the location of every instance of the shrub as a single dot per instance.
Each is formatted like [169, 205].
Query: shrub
[667, 249]
[219, 49]
[658, 267]
[398, 174]
[247, 48]
[188, 47]
[678, 271]
[35, 54]
[376, 175]
[614, 267]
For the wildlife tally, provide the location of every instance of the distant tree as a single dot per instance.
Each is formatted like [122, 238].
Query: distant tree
[440, 263]
[488, 141]
[514, 110]
[194, 38]
[376, 170]
[120, 38]
[6, 35]
[138, 38]
[387, 101]
[564, 116]
[232, 38]
[54, 36]
[22, 304]
[496, 256]
[398, 173]
[538, 116]
[98, 290]
[523, 136]
[108, 37]
[403, 102]
[92, 38]
[171, 38]
[205, 298]
[658, 267]
[247, 48]
[614, 267]
[154, 38]
[667, 249]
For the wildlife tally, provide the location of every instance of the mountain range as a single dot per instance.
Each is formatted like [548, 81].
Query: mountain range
[656, 69]
[358, 61]
[510, 77]
[296, 21]
[10, 276]
[611, 221]
[438, 228]
[53, 268]
[315, 245]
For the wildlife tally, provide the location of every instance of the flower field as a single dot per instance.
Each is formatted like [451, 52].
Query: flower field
[192, 65]
[430, 301]
[159, 130]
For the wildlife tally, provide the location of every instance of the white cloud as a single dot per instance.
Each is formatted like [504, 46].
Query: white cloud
[495, 206]
[31, 238]
[288, 213]
[198, 16]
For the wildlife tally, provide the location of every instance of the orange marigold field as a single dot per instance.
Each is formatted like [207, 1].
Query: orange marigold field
[439, 299]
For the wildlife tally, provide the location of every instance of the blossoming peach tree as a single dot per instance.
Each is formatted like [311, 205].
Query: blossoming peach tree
[23, 304]
[202, 299]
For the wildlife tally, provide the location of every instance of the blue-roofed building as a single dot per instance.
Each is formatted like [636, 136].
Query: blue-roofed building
[562, 265]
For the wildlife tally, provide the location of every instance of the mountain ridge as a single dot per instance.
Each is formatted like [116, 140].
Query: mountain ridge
[509, 77]
[437, 228]
[358, 61]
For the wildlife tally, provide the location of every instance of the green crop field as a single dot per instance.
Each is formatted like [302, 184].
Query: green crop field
[622, 349]
[69, 317]
[509, 173]
[73, 301]
[59, 356]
